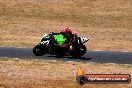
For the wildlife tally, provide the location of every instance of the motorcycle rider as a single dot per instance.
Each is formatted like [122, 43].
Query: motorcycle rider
[68, 34]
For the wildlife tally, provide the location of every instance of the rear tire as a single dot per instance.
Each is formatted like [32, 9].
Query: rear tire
[38, 50]
[79, 51]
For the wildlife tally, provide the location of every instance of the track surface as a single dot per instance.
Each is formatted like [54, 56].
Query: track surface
[90, 56]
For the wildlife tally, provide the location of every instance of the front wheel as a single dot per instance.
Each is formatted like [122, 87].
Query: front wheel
[38, 50]
[78, 51]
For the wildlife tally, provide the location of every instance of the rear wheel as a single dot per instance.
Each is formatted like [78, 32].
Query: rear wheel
[78, 51]
[38, 50]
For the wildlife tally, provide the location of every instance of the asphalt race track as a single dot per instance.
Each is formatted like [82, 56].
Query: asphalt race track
[90, 56]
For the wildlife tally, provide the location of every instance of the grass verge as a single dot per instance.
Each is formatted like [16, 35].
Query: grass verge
[107, 23]
[20, 73]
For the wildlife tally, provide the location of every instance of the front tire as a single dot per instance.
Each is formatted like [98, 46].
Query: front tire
[38, 50]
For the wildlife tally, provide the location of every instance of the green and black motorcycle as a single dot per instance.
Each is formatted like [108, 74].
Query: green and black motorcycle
[52, 44]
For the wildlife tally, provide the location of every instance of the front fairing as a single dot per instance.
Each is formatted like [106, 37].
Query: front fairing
[46, 37]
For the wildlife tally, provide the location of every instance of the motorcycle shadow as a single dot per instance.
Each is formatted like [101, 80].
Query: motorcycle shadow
[71, 58]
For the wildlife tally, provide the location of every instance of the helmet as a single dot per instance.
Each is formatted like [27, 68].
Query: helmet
[66, 30]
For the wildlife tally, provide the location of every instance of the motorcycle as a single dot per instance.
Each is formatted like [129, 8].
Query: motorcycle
[48, 45]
